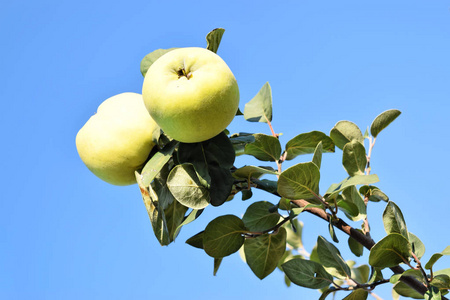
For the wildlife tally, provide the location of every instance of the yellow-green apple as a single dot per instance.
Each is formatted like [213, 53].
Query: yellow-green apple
[117, 140]
[191, 93]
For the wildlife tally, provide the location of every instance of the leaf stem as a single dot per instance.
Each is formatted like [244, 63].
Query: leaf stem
[367, 171]
[283, 155]
[419, 267]
[270, 126]
[371, 144]
[366, 220]
[375, 296]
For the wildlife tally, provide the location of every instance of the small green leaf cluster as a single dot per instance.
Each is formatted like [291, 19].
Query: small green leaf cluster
[263, 246]
[180, 180]
[402, 247]
[184, 176]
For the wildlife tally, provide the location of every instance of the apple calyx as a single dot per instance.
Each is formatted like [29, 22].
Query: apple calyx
[182, 72]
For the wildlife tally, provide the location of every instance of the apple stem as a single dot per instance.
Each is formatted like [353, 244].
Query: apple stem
[182, 72]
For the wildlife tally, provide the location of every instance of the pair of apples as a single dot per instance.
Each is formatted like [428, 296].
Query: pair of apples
[190, 93]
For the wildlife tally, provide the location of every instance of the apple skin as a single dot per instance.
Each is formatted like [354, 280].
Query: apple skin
[191, 93]
[117, 140]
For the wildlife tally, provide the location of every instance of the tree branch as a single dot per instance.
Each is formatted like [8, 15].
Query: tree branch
[364, 240]
[361, 238]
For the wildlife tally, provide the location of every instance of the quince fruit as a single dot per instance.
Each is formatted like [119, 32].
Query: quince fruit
[117, 140]
[191, 93]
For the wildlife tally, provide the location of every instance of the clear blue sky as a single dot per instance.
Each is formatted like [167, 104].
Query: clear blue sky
[64, 234]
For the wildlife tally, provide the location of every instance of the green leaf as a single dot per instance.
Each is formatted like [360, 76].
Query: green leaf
[150, 58]
[332, 231]
[306, 143]
[284, 204]
[263, 252]
[157, 218]
[216, 151]
[259, 109]
[373, 193]
[242, 254]
[352, 195]
[443, 271]
[174, 217]
[313, 255]
[287, 281]
[240, 140]
[317, 157]
[221, 184]
[376, 275]
[358, 294]
[417, 246]
[441, 281]
[194, 214]
[213, 39]
[393, 220]
[265, 148]
[186, 187]
[258, 218]
[344, 132]
[299, 210]
[355, 247]
[294, 231]
[335, 189]
[252, 171]
[366, 133]
[223, 236]
[442, 274]
[270, 186]
[331, 259]
[351, 263]
[395, 278]
[383, 120]
[246, 194]
[349, 208]
[287, 256]
[395, 296]
[354, 158]
[390, 251]
[165, 197]
[217, 262]
[433, 293]
[307, 273]
[361, 274]
[156, 163]
[300, 181]
[434, 258]
[196, 240]
[212, 159]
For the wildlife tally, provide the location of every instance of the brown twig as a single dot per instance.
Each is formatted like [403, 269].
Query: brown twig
[361, 238]
[364, 240]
